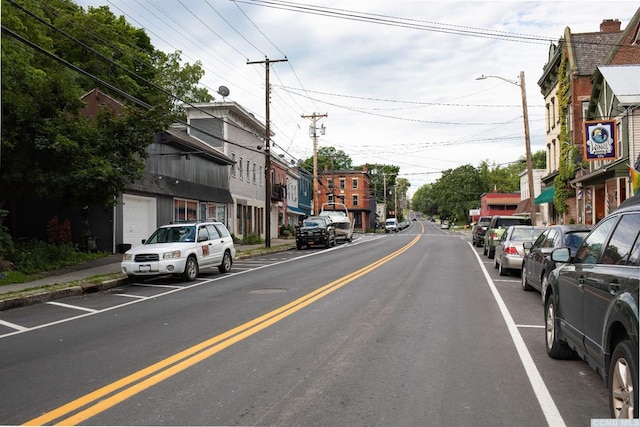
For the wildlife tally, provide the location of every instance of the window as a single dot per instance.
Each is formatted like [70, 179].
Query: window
[591, 248]
[548, 118]
[213, 232]
[233, 165]
[341, 198]
[240, 168]
[203, 234]
[343, 183]
[260, 174]
[621, 245]
[330, 198]
[254, 173]
[355, 200]
[330, 183]
[553, 113]
[354, 183]
[185, 210]
[248, 171]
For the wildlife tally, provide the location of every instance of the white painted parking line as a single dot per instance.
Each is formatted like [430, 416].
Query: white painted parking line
[530, 326]
[549, 408]
[131, 296]
[74, 307]
[146, 285]
[13, 326]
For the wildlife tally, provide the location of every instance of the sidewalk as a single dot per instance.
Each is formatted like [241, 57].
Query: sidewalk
[75, 279]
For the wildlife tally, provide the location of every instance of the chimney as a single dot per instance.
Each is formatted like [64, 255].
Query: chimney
[610, 26]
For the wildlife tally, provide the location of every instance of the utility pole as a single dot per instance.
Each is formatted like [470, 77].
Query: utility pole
[527, 141]
[267, 152]
[313, 130]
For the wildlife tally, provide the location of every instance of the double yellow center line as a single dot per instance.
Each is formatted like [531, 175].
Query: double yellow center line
[121, 390]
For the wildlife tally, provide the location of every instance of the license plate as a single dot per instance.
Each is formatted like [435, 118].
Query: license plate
[145, 268]
[311, 243]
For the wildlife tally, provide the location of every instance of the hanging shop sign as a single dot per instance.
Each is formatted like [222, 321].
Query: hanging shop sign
[600, 140]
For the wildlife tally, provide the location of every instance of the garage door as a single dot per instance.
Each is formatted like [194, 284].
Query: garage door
[138, 218]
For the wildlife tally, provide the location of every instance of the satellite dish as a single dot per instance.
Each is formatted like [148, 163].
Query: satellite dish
[223, 91]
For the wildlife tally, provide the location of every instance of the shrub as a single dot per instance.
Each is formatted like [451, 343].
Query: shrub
[252, 239]
[6, 242]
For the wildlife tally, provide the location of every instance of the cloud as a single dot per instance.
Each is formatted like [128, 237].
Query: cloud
[393, 95]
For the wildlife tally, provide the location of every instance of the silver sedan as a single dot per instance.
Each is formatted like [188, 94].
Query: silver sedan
[510, 249]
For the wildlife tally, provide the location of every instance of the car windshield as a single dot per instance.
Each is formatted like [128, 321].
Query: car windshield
[574, 239]
[526, 233]
[311, 223]
[173, 234]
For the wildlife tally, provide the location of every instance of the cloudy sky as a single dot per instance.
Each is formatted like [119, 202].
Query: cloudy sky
[396, 79]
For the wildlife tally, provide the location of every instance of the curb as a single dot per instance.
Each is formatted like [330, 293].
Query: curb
[85, 288]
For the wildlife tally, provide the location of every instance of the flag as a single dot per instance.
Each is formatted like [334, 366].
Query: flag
[635, 180]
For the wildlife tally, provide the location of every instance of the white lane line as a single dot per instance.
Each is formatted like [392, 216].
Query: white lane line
[13, 326]
[549, 408]
[74, 307]
[530, 326]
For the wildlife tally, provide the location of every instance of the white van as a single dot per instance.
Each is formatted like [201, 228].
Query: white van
[391, 225]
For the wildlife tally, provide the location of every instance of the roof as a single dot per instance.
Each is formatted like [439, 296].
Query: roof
[180, 136]
[588, 50]
[623, 81]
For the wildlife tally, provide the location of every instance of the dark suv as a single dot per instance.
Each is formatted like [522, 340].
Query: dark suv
[497, 226]
[591, 305]
[477, 234]
[315, 230]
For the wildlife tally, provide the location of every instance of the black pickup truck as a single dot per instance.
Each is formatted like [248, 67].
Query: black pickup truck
[315, 230]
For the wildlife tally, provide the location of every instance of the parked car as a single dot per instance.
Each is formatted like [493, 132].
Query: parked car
[181, 249]
[496, 227]
[479, 229]
[537, 263]
[391, 224]
[510, 248]
[315, 230]
[591, 305]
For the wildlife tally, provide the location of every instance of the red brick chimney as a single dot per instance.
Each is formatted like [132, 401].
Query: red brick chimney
[610, 26]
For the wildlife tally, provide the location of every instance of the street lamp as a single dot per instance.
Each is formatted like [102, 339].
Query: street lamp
[527, 141]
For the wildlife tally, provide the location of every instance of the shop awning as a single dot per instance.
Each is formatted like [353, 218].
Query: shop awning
[546, 196]
[294, 210]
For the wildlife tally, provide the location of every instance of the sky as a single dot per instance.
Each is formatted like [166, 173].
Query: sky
[397, 80]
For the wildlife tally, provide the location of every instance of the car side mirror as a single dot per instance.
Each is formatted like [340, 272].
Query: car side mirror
[561, 255]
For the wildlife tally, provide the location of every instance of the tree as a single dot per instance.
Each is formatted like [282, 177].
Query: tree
[50, 150]
[382, 176]
[329, 159]
[457, 191]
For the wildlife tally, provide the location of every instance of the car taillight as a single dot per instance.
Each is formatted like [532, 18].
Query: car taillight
[510, 250]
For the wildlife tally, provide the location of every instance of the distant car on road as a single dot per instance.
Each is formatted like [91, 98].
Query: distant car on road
[391, 224]
[537, 263]
[591, 305]
[316, 230]
[181, 249]
[510, 248]
[480, 227]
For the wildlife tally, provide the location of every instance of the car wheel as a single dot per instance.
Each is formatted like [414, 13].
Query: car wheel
[298, 246]
[492, 253]
[484, 250]
[555, 349]
[501, 270]
[543, 285]
[525, 285]
[226, 263]
[623, 382]
[191, 269]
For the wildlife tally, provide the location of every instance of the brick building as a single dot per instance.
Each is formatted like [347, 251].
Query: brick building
[350, 187]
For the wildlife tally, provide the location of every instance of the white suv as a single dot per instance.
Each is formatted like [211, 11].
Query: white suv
[181, 248]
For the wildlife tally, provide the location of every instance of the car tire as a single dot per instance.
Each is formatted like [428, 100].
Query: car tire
[225, 266]
[191, 269]
[525, 285]
[492, 253]
[623, 382]
[544, 283]
[555, 349]
[501, 270]
[298, 246]
[484, 250]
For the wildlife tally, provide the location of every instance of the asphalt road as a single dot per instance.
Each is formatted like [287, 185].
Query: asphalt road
[414, 328]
